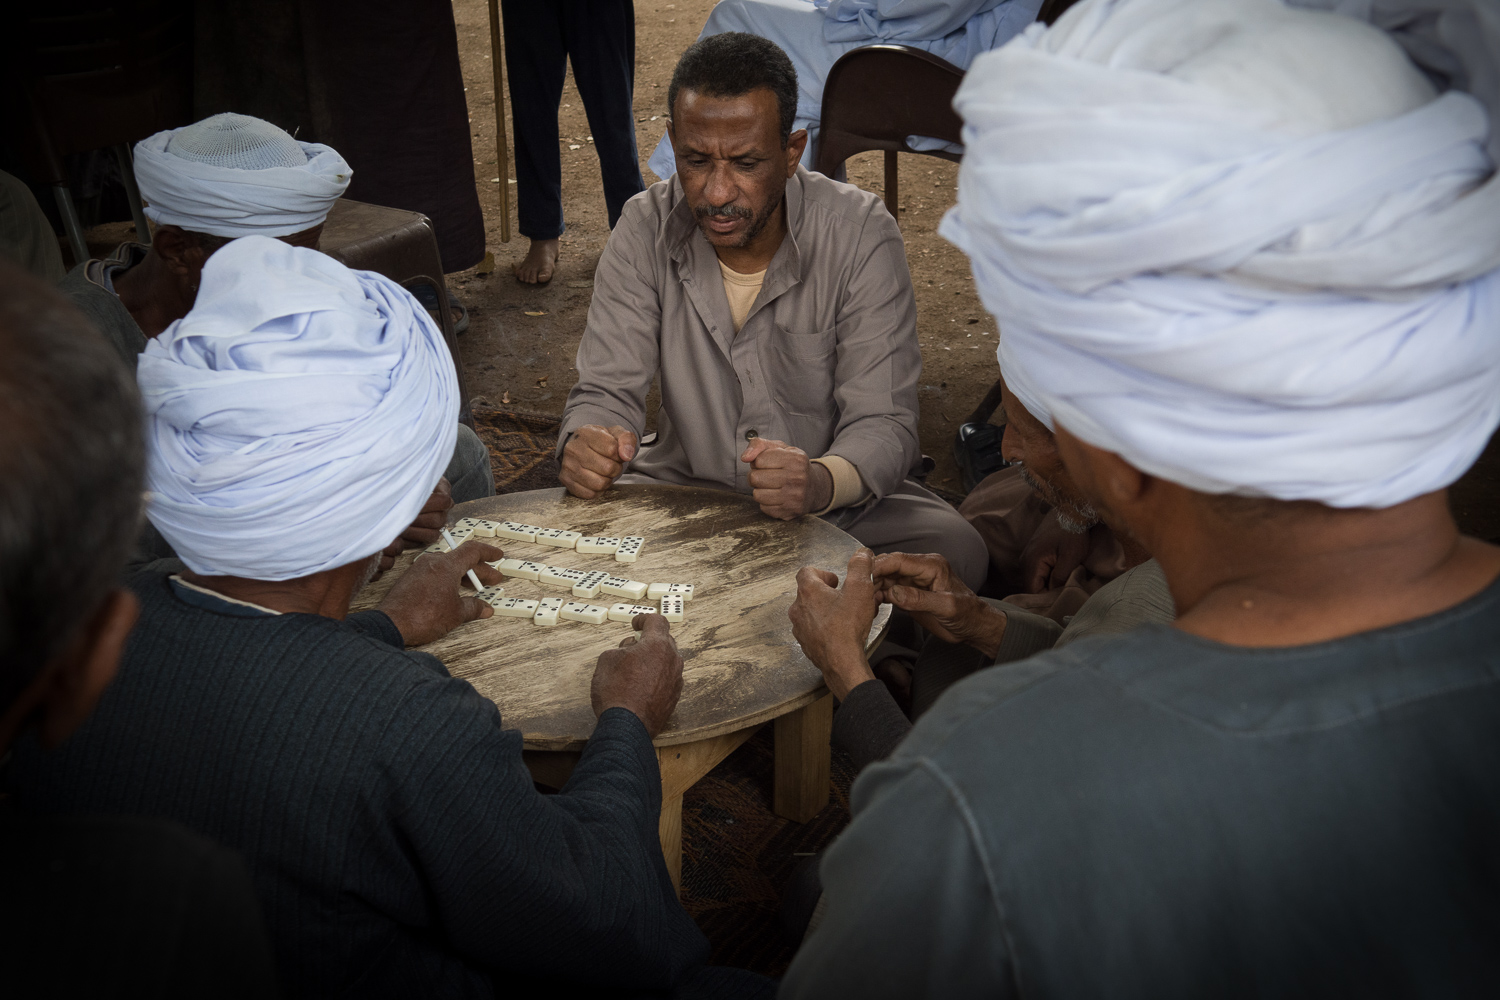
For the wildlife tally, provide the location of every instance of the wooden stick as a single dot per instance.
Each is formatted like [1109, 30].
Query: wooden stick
[502, 143]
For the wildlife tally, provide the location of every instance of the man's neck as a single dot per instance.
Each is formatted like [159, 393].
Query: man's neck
[1313, 573]
[758, 254]
[152, 295]
[327, 593]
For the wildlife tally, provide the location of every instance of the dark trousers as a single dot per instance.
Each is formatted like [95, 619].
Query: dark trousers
[540, 37]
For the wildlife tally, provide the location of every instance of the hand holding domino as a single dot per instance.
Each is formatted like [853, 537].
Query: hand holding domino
[425, 604]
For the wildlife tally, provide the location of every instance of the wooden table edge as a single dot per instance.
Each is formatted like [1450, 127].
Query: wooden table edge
[878, 629]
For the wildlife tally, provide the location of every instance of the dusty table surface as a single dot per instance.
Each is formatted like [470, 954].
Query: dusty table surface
[741, 664]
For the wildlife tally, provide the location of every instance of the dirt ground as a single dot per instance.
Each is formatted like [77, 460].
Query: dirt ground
[522, 340]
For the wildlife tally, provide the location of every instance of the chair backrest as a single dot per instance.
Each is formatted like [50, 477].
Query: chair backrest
[877, 95]
[98, 73]
[1053, 9]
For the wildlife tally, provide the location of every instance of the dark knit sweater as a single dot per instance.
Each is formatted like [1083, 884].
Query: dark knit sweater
[396, 840]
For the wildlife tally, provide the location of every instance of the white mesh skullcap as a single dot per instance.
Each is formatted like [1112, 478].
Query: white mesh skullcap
[237, 141]
[233, 175]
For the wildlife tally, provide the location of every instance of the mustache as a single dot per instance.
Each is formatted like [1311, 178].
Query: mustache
[722, 212]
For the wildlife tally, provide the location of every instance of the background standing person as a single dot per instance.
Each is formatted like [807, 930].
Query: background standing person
[540, 38]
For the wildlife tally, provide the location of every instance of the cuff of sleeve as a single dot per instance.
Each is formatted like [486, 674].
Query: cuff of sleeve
[376, 625]
[1026, 634]
[869, 725]
[848, 487]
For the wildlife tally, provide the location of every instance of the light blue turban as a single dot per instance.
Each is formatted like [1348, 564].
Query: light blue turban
[1246, 247]
[297, 418]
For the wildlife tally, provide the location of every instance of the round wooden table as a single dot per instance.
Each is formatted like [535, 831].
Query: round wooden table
[742, 667]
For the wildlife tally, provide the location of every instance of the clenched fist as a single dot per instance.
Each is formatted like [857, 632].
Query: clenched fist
[784, 481]
[594, 457]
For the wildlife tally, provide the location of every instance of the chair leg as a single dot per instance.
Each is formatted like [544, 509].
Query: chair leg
[133, 193]
[892, 196]
[71, 225]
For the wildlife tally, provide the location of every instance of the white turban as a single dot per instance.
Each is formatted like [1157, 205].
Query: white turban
[1240, 245]
[298, 418]
[233, 175]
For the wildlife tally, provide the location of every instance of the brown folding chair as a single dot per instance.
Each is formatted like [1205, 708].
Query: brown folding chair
[402, 246]
[96, 74]
[877, 95]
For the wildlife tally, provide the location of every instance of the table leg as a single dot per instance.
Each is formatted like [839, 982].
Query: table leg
[802, 779]
[669, 828]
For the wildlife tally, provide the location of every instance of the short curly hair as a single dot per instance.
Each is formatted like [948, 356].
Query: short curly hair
[733, 64]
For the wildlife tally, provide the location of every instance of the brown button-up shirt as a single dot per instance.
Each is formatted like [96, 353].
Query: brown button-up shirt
[827, 360]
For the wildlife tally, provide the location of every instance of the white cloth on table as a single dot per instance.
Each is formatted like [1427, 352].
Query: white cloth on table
[233, 175]
[815, 33]
[297, 418]
[1241, 245]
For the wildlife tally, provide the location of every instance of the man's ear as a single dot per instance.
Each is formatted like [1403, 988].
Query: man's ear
[1103, 476]
[795, 144]
[78, 676]
[179, 250]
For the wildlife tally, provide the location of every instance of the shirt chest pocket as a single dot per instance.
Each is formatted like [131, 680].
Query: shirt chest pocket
[801, 367]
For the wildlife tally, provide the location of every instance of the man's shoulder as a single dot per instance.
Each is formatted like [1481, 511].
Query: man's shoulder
[842, 205]
[104, 309]
[129, 895]
[79, 845]
[183, 619]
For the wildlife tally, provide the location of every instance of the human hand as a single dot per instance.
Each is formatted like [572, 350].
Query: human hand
[594, 457]
[1052, 555]
[388, 557]
[832, 622]
[927, 588]
[784, 481]
[643, 675]
[428, 527]
[425, 604]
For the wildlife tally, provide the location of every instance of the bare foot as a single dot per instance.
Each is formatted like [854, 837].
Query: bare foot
[539, 263]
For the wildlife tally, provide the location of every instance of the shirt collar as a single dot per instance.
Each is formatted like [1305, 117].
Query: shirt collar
[212, 600]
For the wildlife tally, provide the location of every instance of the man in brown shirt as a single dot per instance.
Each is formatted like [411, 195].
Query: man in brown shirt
[776, 308]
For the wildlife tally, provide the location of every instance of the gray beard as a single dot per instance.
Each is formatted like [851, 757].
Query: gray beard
[1074, 517]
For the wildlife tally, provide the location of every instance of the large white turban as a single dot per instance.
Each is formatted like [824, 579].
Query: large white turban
[233, 175]
[298, 418]
[1244, 246]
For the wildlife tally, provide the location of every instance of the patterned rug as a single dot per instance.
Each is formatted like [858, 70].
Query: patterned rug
[737, 854]
[521, 443]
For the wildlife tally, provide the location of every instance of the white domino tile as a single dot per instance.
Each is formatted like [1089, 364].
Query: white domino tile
[659, 590]
[516, 531]
[492, 596]
[460, 535]
[516, 607]
[598, 546]
[546, 611]
[560, 579]
[578, 611]
[625, 612]
[630, 547]
[558, 538]
[438, 546]
[475, 526]
[529, 570]
[621, 587]
[671, 608]
[589, 585]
